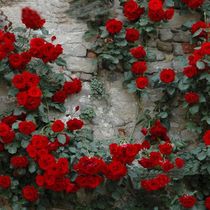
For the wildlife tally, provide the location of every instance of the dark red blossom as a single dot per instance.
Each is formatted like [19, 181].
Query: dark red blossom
[132, 11]
[193, 4]
[206, 137]
[138, 52]
[57, 126]
[142, 82]
[191, 98]
[207, 203]
[139, 67]
[30, 193]
[179, 162]
[32, 19]
[88, 181]
[114, 26]
[74, 124]
[190, 71]
[27, 127]
[132, 34]
[72, 87]
[19, 161]
[5, 181]
[167, 75]
[187, 201]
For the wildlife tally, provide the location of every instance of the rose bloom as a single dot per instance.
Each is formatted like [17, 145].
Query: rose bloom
[72, 87]
[156, 12]
[74, 124]
[114, 26]
[30, 193]
[5, 182]
[206, 137]
[88, 181]
[167, 75]
[199, 25]
[57, 126]
[142, 82]
[191, 98]
[59, 96]
[19, 161]
[138, 52]
[132, 34]
[187, 201]
[207, 203]
[167, 166]
[32, 19]
[168, 14]
[132, 11]
[139, 67]
[27, 127]
[190, 71]
[166, 148]
[193, 4]
[179, 162]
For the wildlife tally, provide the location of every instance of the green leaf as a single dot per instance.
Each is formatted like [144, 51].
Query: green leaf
[201, 156]
[194, 109]
[198, 32]
[32, 167]
[60, 62]
[200, 65]
[61, 138]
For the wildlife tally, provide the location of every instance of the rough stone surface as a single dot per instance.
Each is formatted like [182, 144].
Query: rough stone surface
[181, 36]
[166, 35]
[165, 46]
[178, 50]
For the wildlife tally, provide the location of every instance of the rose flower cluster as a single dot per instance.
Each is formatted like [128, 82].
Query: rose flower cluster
[193, 4]
[156, 12]
[160, 158]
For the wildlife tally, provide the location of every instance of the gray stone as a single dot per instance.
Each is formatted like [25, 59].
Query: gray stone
[86, 77]
[157, 66]
[166, 35]
[181, 36]
[164, 46]
[178, 50]
[77, 64]
[75, 49]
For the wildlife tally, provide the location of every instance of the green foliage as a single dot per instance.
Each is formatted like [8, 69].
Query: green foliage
[97, 89]
[87, 114]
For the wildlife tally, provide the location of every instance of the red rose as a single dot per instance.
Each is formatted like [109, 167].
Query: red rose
[32, 19]
[144, 131]
[158, 131]
[5, 182]
[138, 52]
[190, 71]
[132, 34]
[179, 162]
[27, 127]
[31, 79]
[132, 10]
[166, 148]
[206, 137]
[89, 182]
[40, 180]
[115, 170]
[142, 82]
[46, 161]
[145, 144]
[4, 129]
[197, 26]
[168, 14]
[19, 81]
[74, 124]
[9, 120]
[30, 193]
[32, 103]
[156, 183]
[9, 137]
[167, 75]
[57, 126]
[139, 67]
[19, 161]
[19, 61]
[34, 92]
[89, 165]
[191, 98]
[167, 166]
[187, 201]
[156, 12]
[73, 86]
[59, 96]
[207, 203]
[193, 4]
[22, 98]
[114, 26]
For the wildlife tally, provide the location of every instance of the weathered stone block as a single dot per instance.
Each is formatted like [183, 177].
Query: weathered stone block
[165, 46]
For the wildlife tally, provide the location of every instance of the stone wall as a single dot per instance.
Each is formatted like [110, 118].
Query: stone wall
[118, 112]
